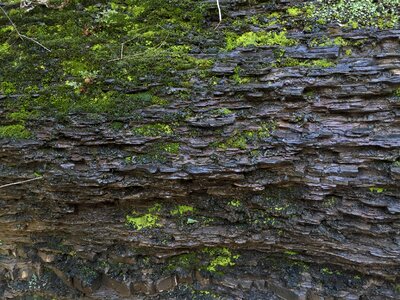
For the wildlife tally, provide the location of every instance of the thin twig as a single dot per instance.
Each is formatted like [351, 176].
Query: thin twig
[20, 182]
[20, 35]
[219, 14]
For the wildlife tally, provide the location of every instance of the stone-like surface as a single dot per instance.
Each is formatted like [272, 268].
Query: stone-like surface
[318, 197]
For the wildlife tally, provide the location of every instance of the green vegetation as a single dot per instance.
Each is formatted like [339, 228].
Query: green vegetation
[242, 140]
[261, 38]
[152, 130]
[237, 78]
[14, 132]
[326, 271]
[292, 62]
[100, 53]
[213, 260]
[145, 221]
[294, 11]
[220, 258]
[182, 209]
[158, 152]
[235, 203]
[7, 88]
[358, 13]
[376, 190]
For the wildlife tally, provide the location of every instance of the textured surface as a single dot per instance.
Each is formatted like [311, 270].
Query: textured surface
[295, 170]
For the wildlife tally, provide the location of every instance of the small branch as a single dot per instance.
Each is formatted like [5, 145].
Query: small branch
[20, 35]
[20, 182]
[219, 14]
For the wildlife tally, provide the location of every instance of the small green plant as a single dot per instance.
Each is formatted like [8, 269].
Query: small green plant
[291, 253]
[376, 190]
[182, 209]
[326, 271]
[235, 203]
[14, 132]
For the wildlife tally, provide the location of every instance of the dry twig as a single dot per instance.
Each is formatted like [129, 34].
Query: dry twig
[20, 182]
[219, 14]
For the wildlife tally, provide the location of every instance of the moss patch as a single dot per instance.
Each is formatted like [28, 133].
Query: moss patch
[14, 132]
[261, 38]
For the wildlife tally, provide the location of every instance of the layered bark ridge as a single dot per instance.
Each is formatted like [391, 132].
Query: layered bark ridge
[282, 186]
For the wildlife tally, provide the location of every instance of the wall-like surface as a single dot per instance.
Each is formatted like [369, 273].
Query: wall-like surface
[273, 172]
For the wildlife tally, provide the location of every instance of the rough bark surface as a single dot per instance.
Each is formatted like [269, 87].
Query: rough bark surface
[285, 186]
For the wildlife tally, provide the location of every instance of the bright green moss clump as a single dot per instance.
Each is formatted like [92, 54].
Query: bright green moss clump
[292, 62]
[261, 38]
[294, 11]
[14, 132]
[149, 220]
[144, 221]
[220, 258]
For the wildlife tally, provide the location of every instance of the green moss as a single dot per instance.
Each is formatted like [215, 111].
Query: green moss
[359, 13]
[290, 253]
[182, 209]
[294, 11]
[222, 111]
[153, 130]
[145, 221]
[326, 271]
[242, 140]
[156, 153]
[7, 88]
[78, 76]
[5, 49]
[235, 203]
[292, 62]
[220, 258]
[261, 38]
[172, 148]
[237, 78]
[187, 261]
[339, 41]
[238, 141]
[376, 190]
[14, 132]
